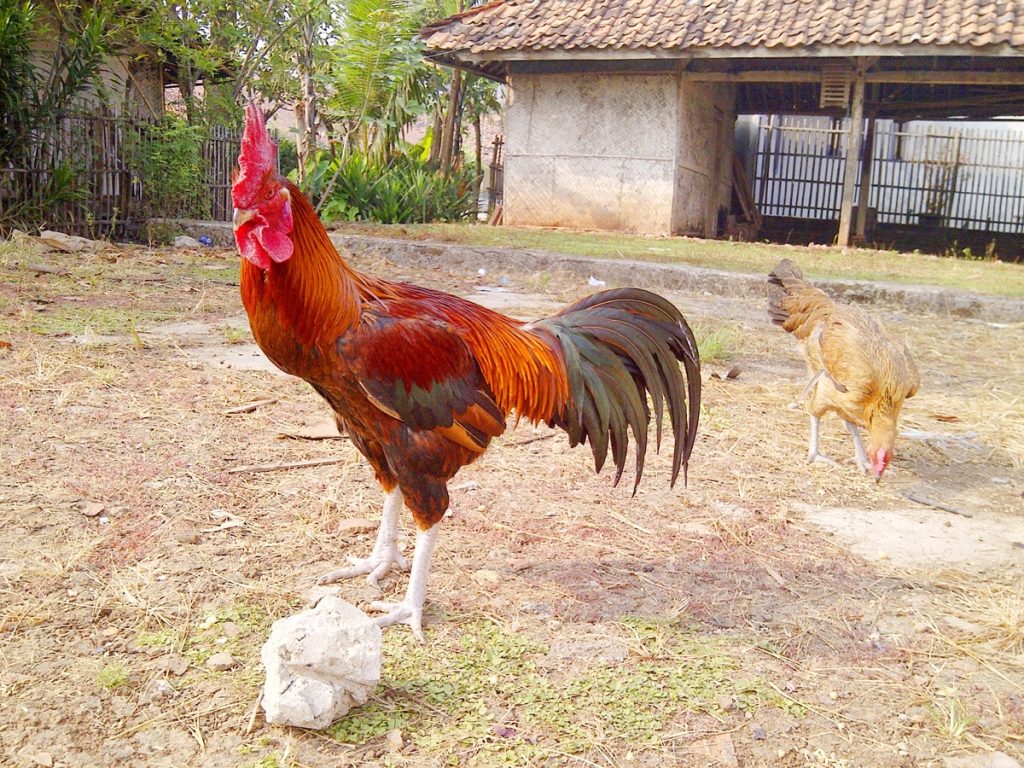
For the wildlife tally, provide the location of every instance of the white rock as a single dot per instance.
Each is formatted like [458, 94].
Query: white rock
[320, 663]
[983, 760]
[184, 241]
[67, 243]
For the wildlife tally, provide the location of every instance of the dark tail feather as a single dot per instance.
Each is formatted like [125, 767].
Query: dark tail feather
[619, 345]
[785, 278]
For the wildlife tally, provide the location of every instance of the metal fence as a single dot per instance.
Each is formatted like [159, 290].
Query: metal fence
[98, 158]
[949, 175]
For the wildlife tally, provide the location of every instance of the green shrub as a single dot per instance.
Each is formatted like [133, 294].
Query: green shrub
[173, 174]
[405, 190]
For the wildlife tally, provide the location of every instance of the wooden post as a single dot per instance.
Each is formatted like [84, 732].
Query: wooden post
[867, 160]
[853, 143]
[953, 179]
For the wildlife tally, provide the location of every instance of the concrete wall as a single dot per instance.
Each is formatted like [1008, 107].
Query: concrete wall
[628, 152]
[703, 156]
[595, 151]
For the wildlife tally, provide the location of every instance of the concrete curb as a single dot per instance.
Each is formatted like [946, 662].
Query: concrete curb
[673, 277]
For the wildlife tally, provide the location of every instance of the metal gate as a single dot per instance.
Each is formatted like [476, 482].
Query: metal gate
[924, 173]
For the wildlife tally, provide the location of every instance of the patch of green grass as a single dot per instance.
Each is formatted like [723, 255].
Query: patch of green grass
[715, 343]
[999, 278]
[450, 697]
[103, 321]
[213, 273]
[951, 716]
[159, 639]
[113, 676]
[251, 620]
[267, 761]
[233, 335]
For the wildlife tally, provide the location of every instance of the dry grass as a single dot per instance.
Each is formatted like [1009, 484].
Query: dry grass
[839, 661]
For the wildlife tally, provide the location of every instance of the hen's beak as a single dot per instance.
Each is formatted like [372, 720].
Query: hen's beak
[241, 216]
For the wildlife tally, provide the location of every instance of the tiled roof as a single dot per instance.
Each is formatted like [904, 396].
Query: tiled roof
[681, 25]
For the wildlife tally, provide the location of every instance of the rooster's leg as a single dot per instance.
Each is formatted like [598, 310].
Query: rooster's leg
[410, 610]
[814, 454]
[858, 447]
[385, 551]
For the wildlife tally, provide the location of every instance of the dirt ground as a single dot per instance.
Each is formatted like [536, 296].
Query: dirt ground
[770, 613]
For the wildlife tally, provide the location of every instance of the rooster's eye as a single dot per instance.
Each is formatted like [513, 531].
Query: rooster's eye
[268, 194]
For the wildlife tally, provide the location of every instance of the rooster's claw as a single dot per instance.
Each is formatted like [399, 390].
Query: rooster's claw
[374, 567]
[400, 613]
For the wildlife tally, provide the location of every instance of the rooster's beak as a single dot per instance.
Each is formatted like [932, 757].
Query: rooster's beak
[241, 216]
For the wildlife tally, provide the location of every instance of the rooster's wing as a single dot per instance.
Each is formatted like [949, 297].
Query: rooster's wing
[423, 373]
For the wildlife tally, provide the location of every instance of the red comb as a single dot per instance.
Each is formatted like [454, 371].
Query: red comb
[257, 153]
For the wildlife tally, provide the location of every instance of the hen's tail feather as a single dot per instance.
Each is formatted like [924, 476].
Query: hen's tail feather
[618, 346]
[794, 303]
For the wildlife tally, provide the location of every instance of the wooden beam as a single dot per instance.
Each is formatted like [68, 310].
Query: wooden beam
[948, 77]
[853, 143]
[867, 158]
[896, 78]
[756, 76]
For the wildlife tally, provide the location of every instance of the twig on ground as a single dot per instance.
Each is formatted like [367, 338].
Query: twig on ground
[621, 519]
[285, 465]
[529, 440]
[773, 573]
[47, 269]
[925, 501]
[249, 407]
[252, 715]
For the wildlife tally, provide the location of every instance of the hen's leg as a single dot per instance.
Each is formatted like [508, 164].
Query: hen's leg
[814, 454]
[858, 447]
[385, 550]
[410, 610]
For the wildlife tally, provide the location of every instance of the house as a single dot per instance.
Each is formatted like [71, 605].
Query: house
[621, 114]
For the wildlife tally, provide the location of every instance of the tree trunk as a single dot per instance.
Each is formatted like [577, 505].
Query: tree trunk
[435, 140]
[450, 121]
[306, 109]
[478, 138]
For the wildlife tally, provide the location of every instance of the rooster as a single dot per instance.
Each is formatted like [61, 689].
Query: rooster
[423, 381]
[857, 371]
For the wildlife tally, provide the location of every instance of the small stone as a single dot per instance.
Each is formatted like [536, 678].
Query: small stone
[220, 662]
[187, 537]
[90, 508]
[184, 241]
[231, 630]
[174, 664]
[486, 576]
[356, 525]
[983, 760]
[156, 691]
[758, 732]
[394, 740]
[726, 703]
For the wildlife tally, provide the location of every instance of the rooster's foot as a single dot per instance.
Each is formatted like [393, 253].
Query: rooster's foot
[374, 568]
[400, 613]
[820, 458]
